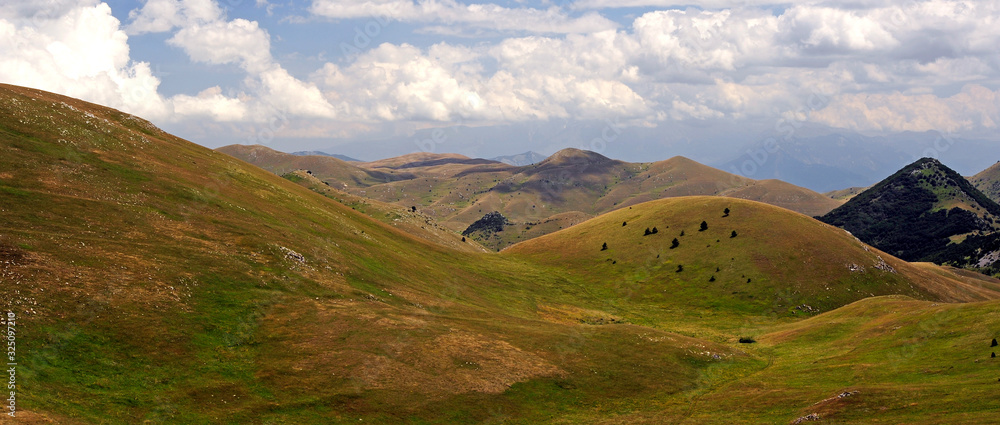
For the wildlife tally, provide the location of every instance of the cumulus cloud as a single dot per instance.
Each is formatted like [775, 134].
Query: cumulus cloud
[483, 15]
[79, 51]
[975, 107]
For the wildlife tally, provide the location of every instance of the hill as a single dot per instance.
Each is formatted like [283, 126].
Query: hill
[740, 262]
[988, 182]
[457, 191]
[921, 213]
[521, 159]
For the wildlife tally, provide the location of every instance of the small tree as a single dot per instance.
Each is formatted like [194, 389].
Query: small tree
[725, 212]
[994, 344]
[733, 235]
[647, 232]
[680, 268]
[413, 208]
[463, 238]
[675, 243]
[704, 227]
[655, 231]
[711, 279]
[604, 247]
[682, 233]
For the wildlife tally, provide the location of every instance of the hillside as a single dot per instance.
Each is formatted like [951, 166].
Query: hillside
[988, 182]
[776, 262]
[923, 212]
[457, 190]
[157, 281]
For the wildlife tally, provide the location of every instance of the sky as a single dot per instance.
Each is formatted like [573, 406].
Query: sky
[326, 74]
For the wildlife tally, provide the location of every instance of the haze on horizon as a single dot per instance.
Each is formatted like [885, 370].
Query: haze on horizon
[636, 80]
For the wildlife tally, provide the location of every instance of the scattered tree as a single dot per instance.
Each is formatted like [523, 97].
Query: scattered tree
[680, 268]
[675, 243]
[413, 208]
[748, 280]
[463, 238]
[725, 212]
[711, 279]
[655, 231]
[717, 270]
[994, 344]
[747, 340]
[993, 355]
[733, 235]
[704, 227]
[604, 247]
[624, 223]
[682, 233]
[647, 232]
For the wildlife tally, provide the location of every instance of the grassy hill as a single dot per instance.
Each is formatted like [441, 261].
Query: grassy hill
[457, 190]
[156, 281]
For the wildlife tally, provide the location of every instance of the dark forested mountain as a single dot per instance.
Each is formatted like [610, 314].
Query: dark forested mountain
[924, 212]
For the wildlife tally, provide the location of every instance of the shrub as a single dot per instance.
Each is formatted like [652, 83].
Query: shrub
[463, 238]
[604, 247]
[733, 235]
[711, 279]
[747, 340]
[704, 227]
[994, 344]
[655, 231]
[647, 232]
[675, 243]
[725, 212]
[624, 223]
[682, 233]
[680, 268]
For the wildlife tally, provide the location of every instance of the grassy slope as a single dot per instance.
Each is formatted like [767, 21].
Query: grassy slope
[988, 182]
[154, 285]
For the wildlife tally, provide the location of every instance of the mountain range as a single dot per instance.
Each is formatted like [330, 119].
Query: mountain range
[566, 188]
[157, 281]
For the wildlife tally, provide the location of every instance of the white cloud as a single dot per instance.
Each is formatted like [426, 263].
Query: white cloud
[79, 51]
[210, 103]
[165, 15]
[480, 15]
[974, 108]
[238, 41]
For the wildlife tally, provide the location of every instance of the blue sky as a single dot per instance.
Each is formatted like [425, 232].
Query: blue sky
[318, 74]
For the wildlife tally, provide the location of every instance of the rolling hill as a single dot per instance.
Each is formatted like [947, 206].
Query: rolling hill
[924, 212]
[458, 190]
[157, 281]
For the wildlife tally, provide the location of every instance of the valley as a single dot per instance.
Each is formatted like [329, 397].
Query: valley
[158, 281]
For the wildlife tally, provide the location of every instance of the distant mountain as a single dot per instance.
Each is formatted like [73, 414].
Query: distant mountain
[923, 212]
[520, 160]
[318, 153]
[988, 181]
[564, 189]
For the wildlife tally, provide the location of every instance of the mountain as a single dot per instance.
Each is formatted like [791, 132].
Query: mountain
[520, 160]
[845, 194]
[318, 153]
[564, 189]
[988, 182]
[157, 281]
[919, 212]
